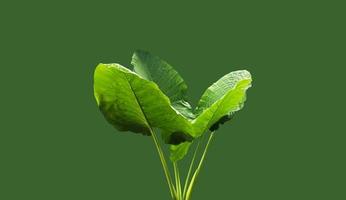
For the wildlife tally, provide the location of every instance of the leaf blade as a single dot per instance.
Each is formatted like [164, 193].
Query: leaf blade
[221, 100]
[172, 84]
[126, 101]
[179, 151]
[155, 69]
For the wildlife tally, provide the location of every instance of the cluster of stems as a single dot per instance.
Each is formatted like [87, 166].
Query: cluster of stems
[177, 190]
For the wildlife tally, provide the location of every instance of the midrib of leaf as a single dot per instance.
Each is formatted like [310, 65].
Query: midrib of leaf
[137, 101]
[160, 152]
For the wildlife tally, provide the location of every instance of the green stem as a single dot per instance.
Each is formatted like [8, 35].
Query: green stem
[177, 181]
[190, 168]
[193, 180]
[164, 164]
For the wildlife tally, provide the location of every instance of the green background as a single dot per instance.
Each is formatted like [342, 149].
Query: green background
[287, 143]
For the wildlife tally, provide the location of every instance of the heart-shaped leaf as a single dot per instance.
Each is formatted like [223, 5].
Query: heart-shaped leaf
[155, 69]
[216, 106]
[131, 103]
[221, 100]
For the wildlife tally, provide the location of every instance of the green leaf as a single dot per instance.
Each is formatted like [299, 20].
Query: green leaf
[184, 108]
[155, 69]
[178, 152]
[131, 103]
[221, 100]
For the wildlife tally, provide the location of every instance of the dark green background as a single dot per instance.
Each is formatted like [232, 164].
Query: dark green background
[287, 143]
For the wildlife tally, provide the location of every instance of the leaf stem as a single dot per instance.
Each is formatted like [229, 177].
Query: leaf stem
[189, 190]
[164, 164]
[190, 168]
[177, 181]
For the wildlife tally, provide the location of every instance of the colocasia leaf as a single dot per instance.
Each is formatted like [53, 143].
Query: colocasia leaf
[155, 69]
[131, 103]
[221, 100]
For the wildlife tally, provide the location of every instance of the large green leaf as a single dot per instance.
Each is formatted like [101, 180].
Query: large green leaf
[216, 106]
[155, 69]
[221, 100]
[131, 103]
